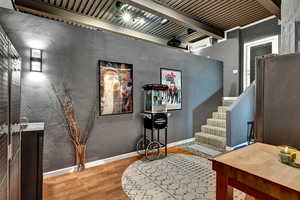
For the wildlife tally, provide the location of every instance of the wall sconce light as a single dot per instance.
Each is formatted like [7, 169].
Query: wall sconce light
[36, 58]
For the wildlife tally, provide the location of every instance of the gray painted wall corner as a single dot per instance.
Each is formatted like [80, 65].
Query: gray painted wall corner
[204, 110]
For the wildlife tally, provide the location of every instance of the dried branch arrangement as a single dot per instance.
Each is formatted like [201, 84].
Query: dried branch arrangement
[79, 140]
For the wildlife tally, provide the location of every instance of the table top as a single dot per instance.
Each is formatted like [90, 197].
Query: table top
[33, 127]
[262, 160]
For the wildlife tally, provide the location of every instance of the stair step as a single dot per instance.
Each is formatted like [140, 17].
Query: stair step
[213, 140]
[219, 115]
[230, 98]
[228, 102]
[213, 130]
[222, 108]
[217, 122]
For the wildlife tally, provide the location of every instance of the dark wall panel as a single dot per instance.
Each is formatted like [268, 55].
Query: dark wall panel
[71, 55]
[278, 100]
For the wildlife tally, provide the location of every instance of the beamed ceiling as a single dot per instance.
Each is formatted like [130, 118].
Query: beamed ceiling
[156, 20]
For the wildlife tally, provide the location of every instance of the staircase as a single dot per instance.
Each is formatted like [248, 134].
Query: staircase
[214, 132]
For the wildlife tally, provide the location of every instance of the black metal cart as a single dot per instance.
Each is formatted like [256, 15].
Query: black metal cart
[155, 117]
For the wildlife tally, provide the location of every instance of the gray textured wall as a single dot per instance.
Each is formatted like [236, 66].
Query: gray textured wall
[257, 32]
[231, 52]
[204, 111]
[290, 13]
[71, 55]
[227, 52]
[239, 114]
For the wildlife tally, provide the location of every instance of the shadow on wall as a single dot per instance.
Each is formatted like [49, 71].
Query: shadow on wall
[233, 90]
[204, 111]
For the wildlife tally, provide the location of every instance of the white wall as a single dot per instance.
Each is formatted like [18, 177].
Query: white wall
[6, 4]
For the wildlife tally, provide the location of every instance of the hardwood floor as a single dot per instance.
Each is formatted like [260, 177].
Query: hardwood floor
[97, 183]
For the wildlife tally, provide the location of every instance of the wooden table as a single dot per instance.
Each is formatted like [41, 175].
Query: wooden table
[257, 171]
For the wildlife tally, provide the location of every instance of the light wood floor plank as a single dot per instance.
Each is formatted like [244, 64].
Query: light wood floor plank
[100, 182]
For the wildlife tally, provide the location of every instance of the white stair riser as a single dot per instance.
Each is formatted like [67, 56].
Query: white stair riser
[211, 140]
[214, 131]
[228, 102]
[217, 123]
[219, 115]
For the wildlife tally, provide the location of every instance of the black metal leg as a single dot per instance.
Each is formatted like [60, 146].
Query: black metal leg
[152, 138]
[145, 139]
[158, 135]
[166, 141]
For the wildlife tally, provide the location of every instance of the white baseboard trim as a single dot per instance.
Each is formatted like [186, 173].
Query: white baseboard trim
[106, 160]
[236, 146]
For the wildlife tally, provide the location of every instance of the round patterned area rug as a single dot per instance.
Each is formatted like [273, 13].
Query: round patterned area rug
[178, 176]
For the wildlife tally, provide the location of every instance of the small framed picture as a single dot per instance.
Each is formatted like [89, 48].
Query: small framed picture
[116, 88]
[172, 78]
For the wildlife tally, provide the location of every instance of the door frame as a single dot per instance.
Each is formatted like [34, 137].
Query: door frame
[247, 49]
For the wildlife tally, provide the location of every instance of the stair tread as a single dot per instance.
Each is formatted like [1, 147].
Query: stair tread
[220, 120]
[210, 135]
[230, 98]
[222, 113]
[216, 122]
[219, 115]
[212, 127]
[214, 132]
[217, 141]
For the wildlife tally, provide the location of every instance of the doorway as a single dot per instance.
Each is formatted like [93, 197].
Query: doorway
[251, 51]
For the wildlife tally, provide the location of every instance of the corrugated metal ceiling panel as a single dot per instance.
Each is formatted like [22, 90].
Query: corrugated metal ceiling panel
[223, 14]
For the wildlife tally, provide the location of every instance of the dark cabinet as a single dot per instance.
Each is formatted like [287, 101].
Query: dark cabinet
[4, 115]
[10, 134]
[32, 161]
[15, 129]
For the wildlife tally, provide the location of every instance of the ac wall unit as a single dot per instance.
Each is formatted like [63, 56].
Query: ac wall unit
[201, 44]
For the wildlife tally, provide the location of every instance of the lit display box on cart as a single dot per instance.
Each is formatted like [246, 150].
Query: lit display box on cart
[155, 118]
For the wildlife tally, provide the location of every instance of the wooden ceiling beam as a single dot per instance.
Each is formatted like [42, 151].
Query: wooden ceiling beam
[271, 7]
[175, 16]
[40, 8]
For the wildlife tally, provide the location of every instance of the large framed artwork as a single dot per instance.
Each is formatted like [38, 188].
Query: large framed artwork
[172, 78]
[116, 88]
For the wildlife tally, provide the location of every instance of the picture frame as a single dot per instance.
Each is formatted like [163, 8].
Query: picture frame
[172, 78]
[115, 88]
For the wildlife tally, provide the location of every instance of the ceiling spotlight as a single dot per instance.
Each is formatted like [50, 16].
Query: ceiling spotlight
[126, 17]
[190, 31]
[164, 21]
[119, 4]
[141, 21]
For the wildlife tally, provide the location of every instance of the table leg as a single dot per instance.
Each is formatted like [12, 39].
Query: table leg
[224, 191]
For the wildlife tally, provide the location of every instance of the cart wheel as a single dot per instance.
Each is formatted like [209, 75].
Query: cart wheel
[153, 151]
[140, 145]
